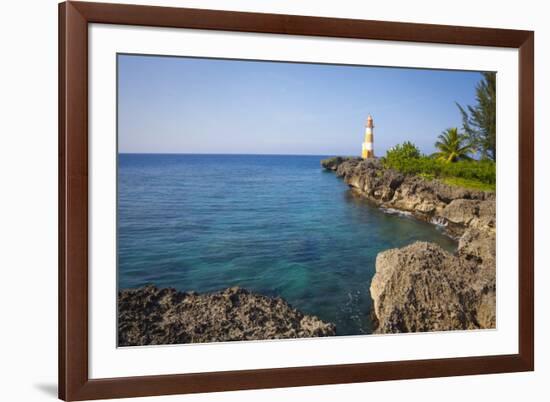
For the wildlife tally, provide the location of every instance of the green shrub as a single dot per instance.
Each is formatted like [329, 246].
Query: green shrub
[406, 158]
[403, 151]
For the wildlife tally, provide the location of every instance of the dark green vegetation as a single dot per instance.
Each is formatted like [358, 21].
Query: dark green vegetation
[455, 161]
[479, 121]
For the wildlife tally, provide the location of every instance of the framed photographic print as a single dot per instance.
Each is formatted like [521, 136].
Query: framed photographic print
[259, 200]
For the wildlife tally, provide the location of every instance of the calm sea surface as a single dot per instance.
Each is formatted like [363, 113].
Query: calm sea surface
[277, 225]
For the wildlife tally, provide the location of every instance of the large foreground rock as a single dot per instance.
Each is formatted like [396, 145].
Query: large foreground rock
[422, 287]
[152, 316]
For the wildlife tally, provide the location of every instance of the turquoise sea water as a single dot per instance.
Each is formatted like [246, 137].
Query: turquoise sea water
[277, 225]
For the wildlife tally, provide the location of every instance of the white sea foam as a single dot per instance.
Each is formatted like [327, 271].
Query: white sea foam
[438, 221]
[393, 211]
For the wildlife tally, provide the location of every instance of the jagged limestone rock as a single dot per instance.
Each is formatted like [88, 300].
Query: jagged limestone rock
[153, 316]
[422, 287]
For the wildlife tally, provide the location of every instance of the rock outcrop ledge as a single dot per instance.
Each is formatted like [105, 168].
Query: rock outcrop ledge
[422, 287]
[153, 316]
[454, 207]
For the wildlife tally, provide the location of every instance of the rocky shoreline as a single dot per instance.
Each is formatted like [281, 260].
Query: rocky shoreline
[416, 288]
[153, 316]
[455, 208]
[422, 287]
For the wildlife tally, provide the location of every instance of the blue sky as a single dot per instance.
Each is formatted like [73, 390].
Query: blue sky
[186, 105]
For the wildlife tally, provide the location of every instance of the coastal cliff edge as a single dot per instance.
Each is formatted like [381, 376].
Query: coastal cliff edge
[422, 287]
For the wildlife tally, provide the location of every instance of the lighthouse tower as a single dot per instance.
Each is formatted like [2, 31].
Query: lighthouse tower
[368, 144]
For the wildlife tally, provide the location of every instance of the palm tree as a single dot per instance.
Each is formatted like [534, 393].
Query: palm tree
[453, 146]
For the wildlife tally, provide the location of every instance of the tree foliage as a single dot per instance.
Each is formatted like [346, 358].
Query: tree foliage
[453, 146]
[479, 121]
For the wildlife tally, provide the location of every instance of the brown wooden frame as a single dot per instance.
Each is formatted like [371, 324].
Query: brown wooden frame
[74, 18]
